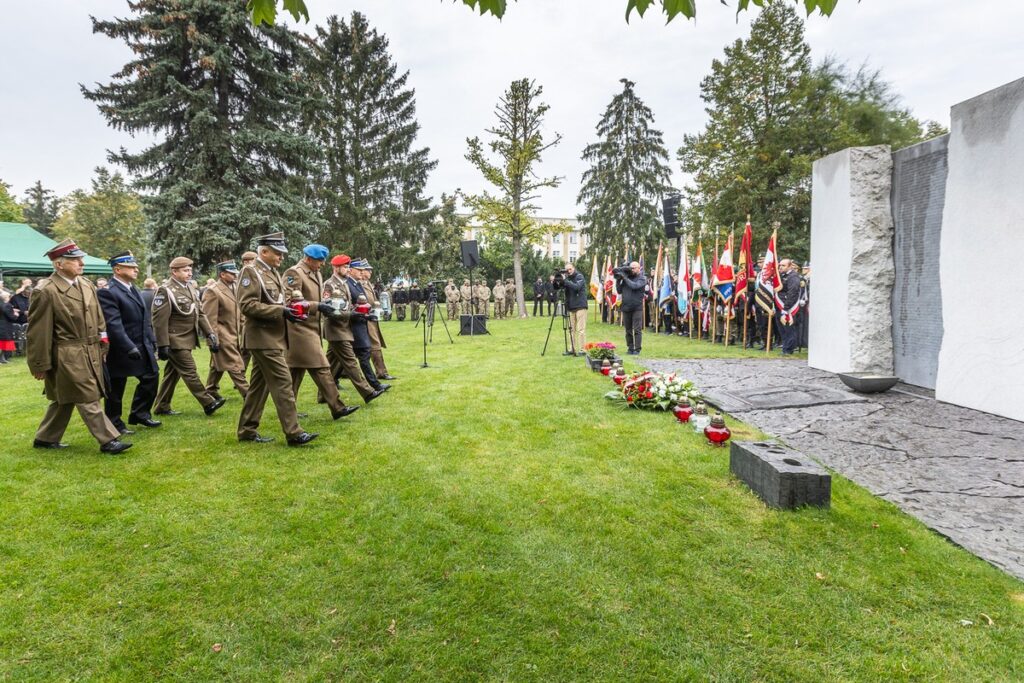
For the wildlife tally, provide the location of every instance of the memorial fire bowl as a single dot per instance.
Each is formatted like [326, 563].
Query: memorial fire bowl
[868, 382]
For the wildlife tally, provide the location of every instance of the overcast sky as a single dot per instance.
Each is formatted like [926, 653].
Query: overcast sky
[935, 52]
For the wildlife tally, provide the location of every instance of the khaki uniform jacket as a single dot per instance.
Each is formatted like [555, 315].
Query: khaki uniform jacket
[484, 293]
[261, 300]
[499, 292]
[305, 348]
[373, 326]
[221, 309]
[451, 294]
[466, 292]
[64, 326]
[338, 328]
[178, 318]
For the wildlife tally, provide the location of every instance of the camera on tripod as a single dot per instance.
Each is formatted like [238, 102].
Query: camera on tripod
[559, 276]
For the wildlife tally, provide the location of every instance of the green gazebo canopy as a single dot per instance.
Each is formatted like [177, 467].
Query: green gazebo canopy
[23, 249]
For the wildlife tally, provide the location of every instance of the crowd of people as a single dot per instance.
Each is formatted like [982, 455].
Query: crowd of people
[85, 340]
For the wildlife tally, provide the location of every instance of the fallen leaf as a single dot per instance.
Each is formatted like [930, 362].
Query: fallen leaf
[875, 525]
[903, 551]
[332, 611]
[966, 622]
[393, 627]
[988, 619]
[217, 647]
[819, 576]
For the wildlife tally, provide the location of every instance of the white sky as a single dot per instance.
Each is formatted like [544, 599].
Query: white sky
[935, 52]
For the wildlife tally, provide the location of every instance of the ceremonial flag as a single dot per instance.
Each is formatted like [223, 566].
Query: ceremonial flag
[609, 283]
[698, 269]
[725, 278]
[768, 281]
[595, 282]
[666, 284]
[683, 282]
[745, 265]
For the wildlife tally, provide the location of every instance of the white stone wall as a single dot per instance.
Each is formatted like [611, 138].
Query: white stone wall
[851, 255]
[981, 360]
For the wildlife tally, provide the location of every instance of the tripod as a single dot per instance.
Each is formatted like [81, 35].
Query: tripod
[568, 339]
[427, 318]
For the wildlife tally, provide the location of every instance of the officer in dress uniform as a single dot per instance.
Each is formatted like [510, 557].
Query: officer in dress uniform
[499, 299]
[261, 296]
[364, 270]
[338, 331]
[451, 299]
[178, 321]
[65, 334]
[305, 345]
[132, 345]
[221, 308]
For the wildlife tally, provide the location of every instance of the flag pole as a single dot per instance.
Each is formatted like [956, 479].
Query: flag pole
[768, 342]
[746, 296]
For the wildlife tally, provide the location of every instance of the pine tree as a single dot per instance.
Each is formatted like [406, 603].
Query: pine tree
[41, 207]
[223, 96]
[371, 176]
[518, 142]
[628, 176]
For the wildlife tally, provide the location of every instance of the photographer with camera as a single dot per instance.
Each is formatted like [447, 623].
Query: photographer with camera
[575, 304]
[631, 283]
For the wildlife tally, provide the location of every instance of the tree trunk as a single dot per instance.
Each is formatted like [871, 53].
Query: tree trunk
[517, 267]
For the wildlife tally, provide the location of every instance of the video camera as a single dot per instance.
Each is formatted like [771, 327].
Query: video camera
[622, 270]
[559, 276]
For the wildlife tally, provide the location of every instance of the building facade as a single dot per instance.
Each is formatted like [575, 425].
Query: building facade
[560, 245]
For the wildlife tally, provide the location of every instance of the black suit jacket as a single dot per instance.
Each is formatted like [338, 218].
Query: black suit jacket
[128, 326]
[358, 325]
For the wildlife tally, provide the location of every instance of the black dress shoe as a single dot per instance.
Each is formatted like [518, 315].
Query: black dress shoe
[387, 377]
[115, 446]
[144, 421]
[213, 407]
[256, 439]
[384, 387]
[48, 444]
[375, 394]
[302, 439]
[126, 432]
[166, 412]
[347, 410]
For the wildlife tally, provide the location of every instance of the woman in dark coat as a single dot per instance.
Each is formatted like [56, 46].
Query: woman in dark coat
[8, 317]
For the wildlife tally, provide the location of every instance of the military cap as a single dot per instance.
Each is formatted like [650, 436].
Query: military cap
[341, 260]
[227, 267]
[249, 256]
[65, 249]
[361, 264]
[125, 258]
[181, 262]
[274, 240]
[316, 251]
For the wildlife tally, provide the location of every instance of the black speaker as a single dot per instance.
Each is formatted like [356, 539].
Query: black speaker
[470, 254]
[472, 324]
[670, 214]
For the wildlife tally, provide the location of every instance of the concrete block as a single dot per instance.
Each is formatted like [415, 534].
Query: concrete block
[782, 477]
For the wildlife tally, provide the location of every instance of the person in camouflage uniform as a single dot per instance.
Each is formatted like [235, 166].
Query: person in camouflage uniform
[451, 299]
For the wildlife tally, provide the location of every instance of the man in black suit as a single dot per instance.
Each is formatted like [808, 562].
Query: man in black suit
[132, 345]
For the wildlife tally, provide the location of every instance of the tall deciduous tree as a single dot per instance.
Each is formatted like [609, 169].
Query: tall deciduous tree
[223, 98]
[41, 207]
[627, 178]
[105, 221]
[518, 143]
[10, 210]
[371, 176]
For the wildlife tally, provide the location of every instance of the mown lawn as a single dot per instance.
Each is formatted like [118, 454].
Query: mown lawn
[491, 518]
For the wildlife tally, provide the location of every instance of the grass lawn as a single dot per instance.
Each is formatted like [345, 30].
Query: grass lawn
[491, 518]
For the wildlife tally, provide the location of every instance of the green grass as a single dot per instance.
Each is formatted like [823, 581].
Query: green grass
[491, 518]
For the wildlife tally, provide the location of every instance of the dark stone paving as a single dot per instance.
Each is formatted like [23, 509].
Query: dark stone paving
[959, 471]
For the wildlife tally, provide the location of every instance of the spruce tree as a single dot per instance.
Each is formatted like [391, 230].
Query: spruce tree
[41, 207]
[222, 97]
[621, 192]
[371, 176]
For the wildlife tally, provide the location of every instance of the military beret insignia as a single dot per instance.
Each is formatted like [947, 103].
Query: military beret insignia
[246, 282]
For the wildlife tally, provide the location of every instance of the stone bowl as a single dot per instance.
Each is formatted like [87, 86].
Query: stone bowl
[868, 382]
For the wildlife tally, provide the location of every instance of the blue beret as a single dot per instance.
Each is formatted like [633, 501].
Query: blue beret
[316, 251]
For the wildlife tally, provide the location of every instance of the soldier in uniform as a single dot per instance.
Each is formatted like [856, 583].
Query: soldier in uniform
[132, 345]
[510, 297]
[221, 308]
[65, 334]
[305, 348]
[360, 324]
[377, 344]
[415, 299]
[401, 300]
[466, 294]
[483, 298]
[178, 320]
[261, 297]
[451, 299]
[499, 299]
[338, 331]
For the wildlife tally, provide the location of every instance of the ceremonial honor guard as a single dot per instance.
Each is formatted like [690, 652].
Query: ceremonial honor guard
[221, 308]
[451, 299]
[261, 298]
[466, 293]
[66, 334]
[178, 321]
[362, 343]
[377, 343]
[132, 345]
[305, 348]
[499, 299]
[338, 331]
